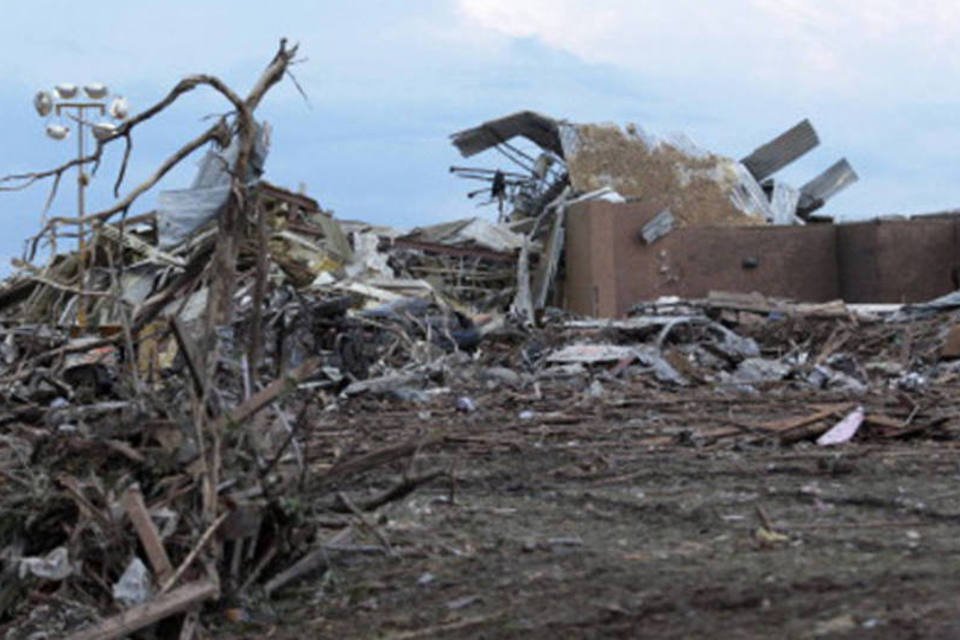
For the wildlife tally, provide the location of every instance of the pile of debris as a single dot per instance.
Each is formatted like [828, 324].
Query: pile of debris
[159, 383]
[688, 185]
[698, 186]
[163, 386]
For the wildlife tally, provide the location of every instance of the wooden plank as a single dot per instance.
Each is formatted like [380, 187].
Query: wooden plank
[376, 458]
[884, 422]
[788, 424]
[144, 248]
[189, 350]
[147, 531]
[269, 393]
[148, 613]
[550, 259]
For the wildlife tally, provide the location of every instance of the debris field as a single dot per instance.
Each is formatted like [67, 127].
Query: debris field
[239, 416]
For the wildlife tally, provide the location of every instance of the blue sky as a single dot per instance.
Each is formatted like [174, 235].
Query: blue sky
[389, 81]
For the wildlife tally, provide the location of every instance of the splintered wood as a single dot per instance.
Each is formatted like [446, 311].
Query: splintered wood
[148, 613]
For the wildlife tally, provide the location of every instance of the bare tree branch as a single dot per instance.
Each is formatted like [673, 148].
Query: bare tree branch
[213, 133]
[186, 85]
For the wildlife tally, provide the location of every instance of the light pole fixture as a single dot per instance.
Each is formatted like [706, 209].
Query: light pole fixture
[66, 101]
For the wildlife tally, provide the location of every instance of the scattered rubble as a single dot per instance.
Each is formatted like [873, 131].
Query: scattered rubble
[183, 444]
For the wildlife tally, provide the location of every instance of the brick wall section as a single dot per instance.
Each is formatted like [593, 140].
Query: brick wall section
[608, 269]
[898, 260]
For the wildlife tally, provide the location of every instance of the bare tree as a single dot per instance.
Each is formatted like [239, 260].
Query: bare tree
[238, 212]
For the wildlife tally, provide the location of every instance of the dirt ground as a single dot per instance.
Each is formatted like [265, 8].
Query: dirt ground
[585, 523]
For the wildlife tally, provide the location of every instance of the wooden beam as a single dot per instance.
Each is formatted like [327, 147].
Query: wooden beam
[147, 531]
[269, 393]
[190, 355]
[148, 613]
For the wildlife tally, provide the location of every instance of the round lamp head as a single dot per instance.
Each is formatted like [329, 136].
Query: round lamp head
[119, 108]
[103, 130]
[43, 103]
[96, 91]
[66, 91]
[57, 131]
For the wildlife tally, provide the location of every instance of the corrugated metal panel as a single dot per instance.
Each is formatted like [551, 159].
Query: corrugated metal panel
[815, 193]
[831, 182]
[781, 151]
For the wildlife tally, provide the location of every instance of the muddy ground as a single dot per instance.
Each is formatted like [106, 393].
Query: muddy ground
[605, 520]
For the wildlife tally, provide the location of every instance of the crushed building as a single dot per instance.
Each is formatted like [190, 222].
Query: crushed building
[159, 459]
[627, 217]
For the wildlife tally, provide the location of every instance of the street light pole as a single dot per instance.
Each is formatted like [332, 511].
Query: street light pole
[80, 119]
[81, 210]
[81, 178]
[59, 102]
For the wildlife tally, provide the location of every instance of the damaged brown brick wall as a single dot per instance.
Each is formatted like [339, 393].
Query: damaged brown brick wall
[609, 268]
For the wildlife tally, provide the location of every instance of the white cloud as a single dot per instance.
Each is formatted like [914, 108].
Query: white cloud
[808, 45]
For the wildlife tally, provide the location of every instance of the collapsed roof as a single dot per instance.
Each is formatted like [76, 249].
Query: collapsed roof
[542, 130]
[783, 203]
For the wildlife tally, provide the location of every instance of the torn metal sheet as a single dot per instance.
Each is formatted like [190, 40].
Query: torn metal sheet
[181, 212]
[781, 151]
[134, 586]
[539, 129]
[190, 309]
[384, 384]
[334, 235]
[137, 283]
[753, 370]
[591, 354]
[662, 370]
[472, 232]
[662, 224]
[818, 191]
[783, 203]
